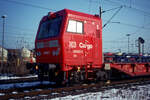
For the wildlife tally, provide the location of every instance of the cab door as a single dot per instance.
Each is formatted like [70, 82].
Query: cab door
[74, 42]
[89, 41]
[93, 41]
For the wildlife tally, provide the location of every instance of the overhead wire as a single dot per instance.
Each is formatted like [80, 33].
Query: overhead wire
[136, 26]
[90, 3]
[25, 4]
[19, 28]
[130, 7]
[119, 8]
[115, 41]
[143, 27]
[111, 9]
[40, 7]
[132, 25]
[17, 34]
[14, 36]
[36, 6]
[29, 5]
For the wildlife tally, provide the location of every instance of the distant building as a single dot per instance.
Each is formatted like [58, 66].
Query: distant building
[5, 54]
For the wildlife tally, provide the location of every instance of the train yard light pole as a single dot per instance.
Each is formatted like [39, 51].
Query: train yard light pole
[128, 35]
[3, 17]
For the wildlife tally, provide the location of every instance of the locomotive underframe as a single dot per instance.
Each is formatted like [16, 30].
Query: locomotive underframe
[78, 74]
[86, 73]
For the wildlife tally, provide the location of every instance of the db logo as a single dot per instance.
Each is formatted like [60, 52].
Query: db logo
[72, 44]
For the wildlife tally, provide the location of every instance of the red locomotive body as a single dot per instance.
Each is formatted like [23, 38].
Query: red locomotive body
[76, 40]
[69, 47]
[69, 40]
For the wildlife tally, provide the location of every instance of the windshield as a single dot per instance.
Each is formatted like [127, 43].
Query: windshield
[50, 28]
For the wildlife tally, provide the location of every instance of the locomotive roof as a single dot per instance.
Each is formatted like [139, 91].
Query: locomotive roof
[68, 11]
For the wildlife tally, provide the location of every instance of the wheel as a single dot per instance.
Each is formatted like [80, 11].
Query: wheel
[102, 76]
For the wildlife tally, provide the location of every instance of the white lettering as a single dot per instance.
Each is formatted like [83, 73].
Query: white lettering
[81, 45]
[72, 44]
[88, 46]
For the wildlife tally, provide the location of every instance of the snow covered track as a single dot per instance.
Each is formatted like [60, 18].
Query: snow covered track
[72, 90]
[19, 80]
[7, 79]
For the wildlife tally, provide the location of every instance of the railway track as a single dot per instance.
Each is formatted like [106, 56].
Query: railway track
[45, 93]
[19, 80]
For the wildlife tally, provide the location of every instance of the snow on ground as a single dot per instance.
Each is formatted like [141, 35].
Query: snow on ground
[18, 85]
[25, 84]
[9, 76]
[130, 93]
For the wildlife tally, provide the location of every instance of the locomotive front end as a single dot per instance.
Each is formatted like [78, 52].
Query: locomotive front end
[48, 45]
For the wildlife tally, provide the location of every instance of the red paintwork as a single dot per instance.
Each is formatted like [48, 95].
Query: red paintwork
[79, 50]
[139, 70]
[88, 50]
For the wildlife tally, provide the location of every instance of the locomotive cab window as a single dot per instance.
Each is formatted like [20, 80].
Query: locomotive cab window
[50, 28]
[75, 26]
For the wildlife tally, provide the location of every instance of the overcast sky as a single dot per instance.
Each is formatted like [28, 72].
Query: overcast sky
[133, 18]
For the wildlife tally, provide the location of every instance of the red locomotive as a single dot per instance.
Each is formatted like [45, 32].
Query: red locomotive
[69, 49]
